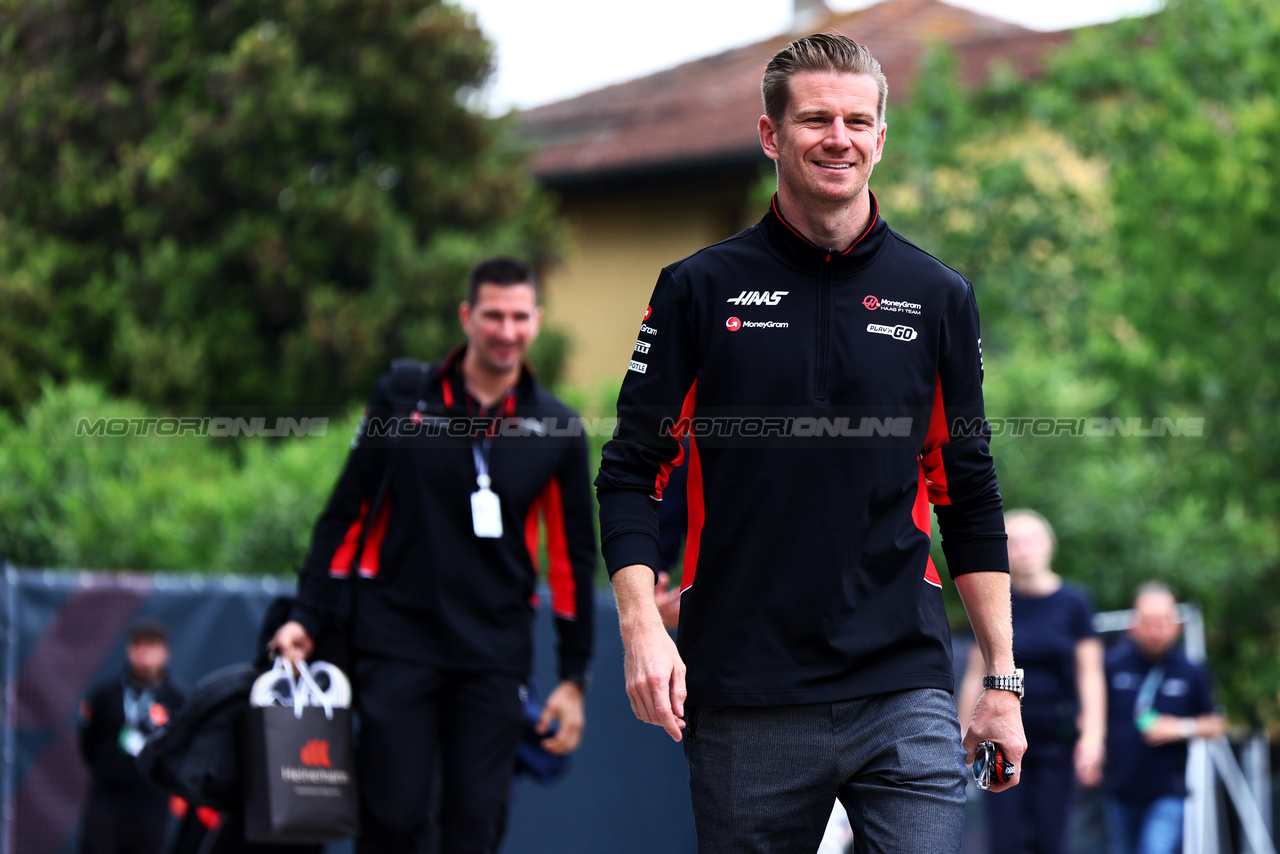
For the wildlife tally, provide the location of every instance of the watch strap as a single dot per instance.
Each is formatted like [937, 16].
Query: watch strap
[1005, 682]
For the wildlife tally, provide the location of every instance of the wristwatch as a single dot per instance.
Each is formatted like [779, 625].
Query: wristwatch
[1005, 683]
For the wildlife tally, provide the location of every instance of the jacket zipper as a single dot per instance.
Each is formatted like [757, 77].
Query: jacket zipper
[824, 331]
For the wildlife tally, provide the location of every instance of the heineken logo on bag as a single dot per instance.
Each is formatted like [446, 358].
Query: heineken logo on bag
[315, 754]
[293, 774]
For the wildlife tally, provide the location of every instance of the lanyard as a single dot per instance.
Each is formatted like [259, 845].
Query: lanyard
[1147, 693]
[480, 456]
[137, 705]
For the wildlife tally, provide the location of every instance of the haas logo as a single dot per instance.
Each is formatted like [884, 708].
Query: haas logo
[315, 754]
[758, 298]
[871, 302]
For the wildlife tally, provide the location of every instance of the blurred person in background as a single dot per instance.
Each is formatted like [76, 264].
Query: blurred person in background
[1064, 711]
[440, 618]
[125, 813]
[1158, 700]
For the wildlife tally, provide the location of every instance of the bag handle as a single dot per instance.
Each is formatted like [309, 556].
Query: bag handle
[305, 684]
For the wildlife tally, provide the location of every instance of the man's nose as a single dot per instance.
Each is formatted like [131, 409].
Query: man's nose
[838, 135]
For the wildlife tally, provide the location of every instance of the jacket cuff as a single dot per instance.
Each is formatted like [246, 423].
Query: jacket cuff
[577, 674]
[308, 619]
[988, 554]
[631, 548]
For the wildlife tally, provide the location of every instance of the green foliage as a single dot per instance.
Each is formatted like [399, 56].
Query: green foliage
[246, 201]
[1185, 107]
[151, 502]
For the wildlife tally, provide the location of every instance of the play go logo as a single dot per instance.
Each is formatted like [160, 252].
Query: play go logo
[902, 333]
[733, 324]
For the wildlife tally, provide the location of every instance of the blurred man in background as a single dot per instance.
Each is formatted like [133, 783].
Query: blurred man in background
[430, 535]
[125, 813]
[1157, 701]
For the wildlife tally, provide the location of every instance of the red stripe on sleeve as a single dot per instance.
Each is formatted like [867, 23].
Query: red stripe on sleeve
[447, 388]
[931, 573]
[697, 515]
[531, 532]
[560, 567]
[931, 455]
[681, 428]
[370, 559]
[531, 542]
[923, 517]
[340, 563]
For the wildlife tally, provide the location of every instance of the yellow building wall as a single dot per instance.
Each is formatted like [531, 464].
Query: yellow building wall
[619, 243]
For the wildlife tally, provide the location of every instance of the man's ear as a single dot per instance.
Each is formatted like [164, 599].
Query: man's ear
[464, 314]
[769, 137]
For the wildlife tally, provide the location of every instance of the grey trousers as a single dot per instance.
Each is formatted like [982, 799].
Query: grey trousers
[763, 780]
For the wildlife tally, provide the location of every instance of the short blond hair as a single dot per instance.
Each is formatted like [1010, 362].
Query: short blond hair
[819, 52]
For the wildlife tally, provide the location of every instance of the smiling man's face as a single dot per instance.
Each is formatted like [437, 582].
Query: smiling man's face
[828, 141]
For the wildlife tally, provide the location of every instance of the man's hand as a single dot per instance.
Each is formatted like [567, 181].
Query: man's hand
[292, 641]
[997, 717]
[1090, 753]
[1166, 729]
[565, 706]
[652, 666]
[668, 602]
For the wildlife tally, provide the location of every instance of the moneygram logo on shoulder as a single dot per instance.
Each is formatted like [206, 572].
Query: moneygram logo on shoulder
[874, 303]
[733, 324]
[758, 298]
[648, 310]
[315, 754]
[902, 333]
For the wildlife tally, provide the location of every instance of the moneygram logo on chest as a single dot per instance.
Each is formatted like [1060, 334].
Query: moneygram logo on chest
[875, 303]
[758, 298]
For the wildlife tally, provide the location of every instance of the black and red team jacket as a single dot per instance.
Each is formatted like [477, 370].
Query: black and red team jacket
[829, 398]
[432, 591]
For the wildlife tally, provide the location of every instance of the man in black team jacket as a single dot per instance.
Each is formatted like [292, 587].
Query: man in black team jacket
[442, 617]
[125, 812]
[828, 375]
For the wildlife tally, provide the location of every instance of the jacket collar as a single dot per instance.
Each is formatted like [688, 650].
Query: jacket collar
[448, 375]
[800, 250]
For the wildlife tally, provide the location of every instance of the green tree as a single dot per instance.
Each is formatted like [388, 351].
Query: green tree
[244, 201]
[1185, 109]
